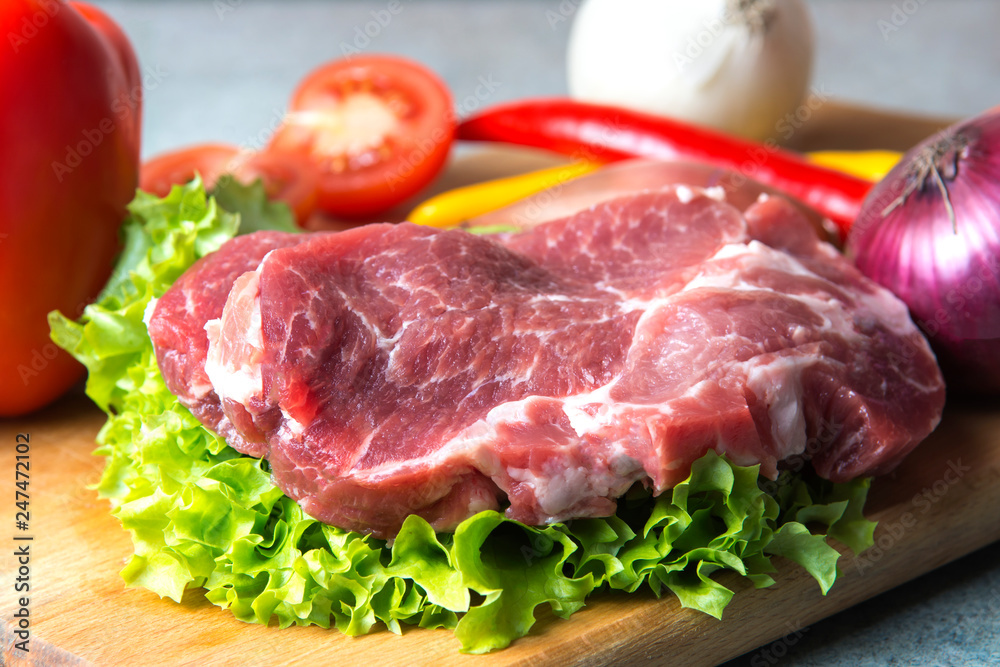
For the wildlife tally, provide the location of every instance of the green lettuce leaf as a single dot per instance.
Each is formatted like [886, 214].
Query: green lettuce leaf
[256, 211]
[203, 516]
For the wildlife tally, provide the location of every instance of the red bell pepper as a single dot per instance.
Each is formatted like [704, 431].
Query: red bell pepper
[599, 132]
[69, 164]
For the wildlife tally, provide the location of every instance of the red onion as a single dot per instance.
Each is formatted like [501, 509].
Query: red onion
[930, 232]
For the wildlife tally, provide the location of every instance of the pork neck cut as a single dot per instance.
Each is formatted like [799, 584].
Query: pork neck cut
[391, 370]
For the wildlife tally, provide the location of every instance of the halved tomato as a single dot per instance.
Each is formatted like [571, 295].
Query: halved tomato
[287, 177]
[377, 128]
[166, 170]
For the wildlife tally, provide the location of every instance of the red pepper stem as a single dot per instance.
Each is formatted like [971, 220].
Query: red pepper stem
[606, 133]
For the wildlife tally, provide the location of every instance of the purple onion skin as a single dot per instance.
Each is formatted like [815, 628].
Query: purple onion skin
[945, 267]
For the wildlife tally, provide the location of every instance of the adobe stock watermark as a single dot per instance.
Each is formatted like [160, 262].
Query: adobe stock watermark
[732, 14]
[40, 358]
[223, 7]
[38, 363]
[121, 109]
[260, 140]
[540, 546]
[901, 13]
[365, 34]
[30, 26]
[786, 127]
[778, 649]
[562, 13]
[534, 210]
[955, 302]
[921, 504]
[485, 89]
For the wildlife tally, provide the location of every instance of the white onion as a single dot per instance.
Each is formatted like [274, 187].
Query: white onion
[740, 66]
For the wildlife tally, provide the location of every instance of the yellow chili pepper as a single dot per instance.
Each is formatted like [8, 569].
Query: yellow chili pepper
[455, 206]
[873, 165]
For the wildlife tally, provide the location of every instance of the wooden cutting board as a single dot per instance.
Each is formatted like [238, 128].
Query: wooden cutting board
[941, 504]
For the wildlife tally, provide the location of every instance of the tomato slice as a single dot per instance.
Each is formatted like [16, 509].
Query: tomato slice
[164, 171]
[287, 177]
[377, 128]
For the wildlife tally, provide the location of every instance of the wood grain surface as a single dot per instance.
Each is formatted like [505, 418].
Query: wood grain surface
[942, 503]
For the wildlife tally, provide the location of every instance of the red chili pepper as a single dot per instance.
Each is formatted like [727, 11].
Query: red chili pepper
[69, 164]
[599, 132]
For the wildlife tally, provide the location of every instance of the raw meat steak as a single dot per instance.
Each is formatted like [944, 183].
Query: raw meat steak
[195, 298]
[397, 369]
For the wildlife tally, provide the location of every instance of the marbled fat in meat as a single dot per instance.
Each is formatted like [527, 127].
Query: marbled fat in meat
[177, 326]
[394, 369]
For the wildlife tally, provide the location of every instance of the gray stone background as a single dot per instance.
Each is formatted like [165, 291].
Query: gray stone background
[222, 70]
